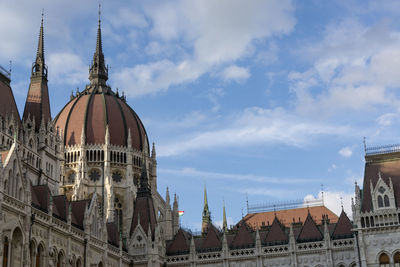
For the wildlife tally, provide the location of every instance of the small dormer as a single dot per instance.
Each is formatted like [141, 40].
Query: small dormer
[382, 194]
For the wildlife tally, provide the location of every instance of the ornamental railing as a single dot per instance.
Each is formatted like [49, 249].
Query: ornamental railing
[380, 150]
[284, 205]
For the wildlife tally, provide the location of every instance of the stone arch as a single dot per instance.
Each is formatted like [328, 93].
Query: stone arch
[32, 250]
[341, 265]
[353, 264]
[40, 255]
[60, 258]
[6, 249]
[396, 258]
[78, 262]
[100, 264]
[383, 259]
[16, 247]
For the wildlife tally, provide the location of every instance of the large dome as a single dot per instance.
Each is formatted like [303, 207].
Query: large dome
[92, 110]
[98, 107]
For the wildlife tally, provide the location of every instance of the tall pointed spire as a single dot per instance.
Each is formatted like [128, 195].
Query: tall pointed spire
[98, 73]
[206, 213]
[144, 181]
[224, 222]
[37, 102]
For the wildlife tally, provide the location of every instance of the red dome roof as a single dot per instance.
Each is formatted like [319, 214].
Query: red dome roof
[94, 109]
[7, 101]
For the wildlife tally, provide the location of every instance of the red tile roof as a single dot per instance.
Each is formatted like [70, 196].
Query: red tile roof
[286, 217]
[37, 103]
[309, 231]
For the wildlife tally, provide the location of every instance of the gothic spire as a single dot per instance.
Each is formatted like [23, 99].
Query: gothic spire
[37, 105]
[98, 73]
[206, 213]
[224, 223]
[144, 182]
[39, 67]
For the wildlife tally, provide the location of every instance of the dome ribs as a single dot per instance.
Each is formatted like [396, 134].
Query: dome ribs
[123, 119]
[115, 119]
[95, 130]
[86, 117]
[68, 119]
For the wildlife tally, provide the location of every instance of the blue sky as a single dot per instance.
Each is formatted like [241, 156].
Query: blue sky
[268, 98]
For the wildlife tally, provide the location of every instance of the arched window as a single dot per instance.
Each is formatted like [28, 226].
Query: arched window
[16, 248]
[380, 202]
[396, 259]
[386, 201]
[384, 260]
[5, 252]
[39, 256]
[78, 263]
[118, 214]
[60, 259]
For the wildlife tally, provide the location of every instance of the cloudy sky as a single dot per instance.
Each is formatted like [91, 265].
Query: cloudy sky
[266, 98]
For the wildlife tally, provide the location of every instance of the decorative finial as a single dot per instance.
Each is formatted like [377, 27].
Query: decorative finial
[99, 14]
[365, 145]
[10, 66]
[42, 14]
[341, 202]
[322, 194]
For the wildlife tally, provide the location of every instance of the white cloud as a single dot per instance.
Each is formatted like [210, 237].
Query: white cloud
[386, 119]
[354, 68]
[235, 73]
[255, 126]
[192, 172]
[332, 200]
[214, 33]
[345, 152]
[67, 68]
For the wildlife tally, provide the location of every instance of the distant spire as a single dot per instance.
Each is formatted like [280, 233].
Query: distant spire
[144, 181]
[224, 222]
[98, 73]
[167, 199]
[153, 151]
[39, 68]
[206, 213]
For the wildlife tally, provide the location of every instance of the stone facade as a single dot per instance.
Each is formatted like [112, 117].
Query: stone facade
[91, 199]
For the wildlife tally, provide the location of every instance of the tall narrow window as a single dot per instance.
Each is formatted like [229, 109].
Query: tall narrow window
[380, 202]
[384, 260]
[5, 252]
[386, 200]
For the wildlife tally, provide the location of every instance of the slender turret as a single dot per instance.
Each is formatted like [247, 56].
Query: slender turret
[37, 105]
[206, 213]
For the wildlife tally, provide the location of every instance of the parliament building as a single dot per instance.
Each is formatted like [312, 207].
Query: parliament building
[80, 190]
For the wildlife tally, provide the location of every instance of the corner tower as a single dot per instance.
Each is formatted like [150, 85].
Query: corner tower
[37, 105]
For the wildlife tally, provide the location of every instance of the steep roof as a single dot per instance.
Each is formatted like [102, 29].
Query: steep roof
[112, 234]
[41, 197]
[180, 243]
[212, 241]
[343, 227]
[243, 237]
[309, 231]
[286, 217]
[144, 206]
[37, 105]
[276, 234]
[78, 209]
[7, 100]
[60, 204]
[387, 168]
